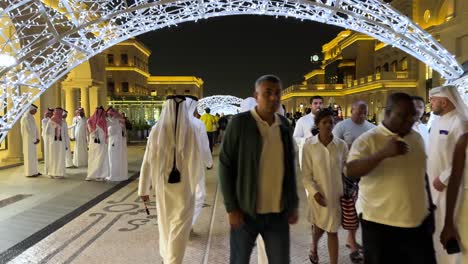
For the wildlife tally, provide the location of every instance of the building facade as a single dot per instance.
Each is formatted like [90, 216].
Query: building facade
[118, 77]
[356, 66]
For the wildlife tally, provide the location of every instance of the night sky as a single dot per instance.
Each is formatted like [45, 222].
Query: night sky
[229, 53]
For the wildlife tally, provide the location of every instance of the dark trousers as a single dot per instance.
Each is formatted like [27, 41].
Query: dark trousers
[211, 136]
[273, 228]
[385, 244]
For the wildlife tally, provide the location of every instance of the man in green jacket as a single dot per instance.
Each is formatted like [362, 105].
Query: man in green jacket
[258, 177]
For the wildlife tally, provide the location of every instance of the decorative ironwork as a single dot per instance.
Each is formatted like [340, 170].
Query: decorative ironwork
[49, 38]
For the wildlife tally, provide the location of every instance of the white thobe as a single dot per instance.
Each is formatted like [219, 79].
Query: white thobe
[68, 155]
[445, 131]
[423, 131]
[207, 161]
[98, 156]
[29, 136]
[303, 131]
[72, 128]
[461, 215]
[56, 149]
[45, 144]
[115, 145]
[174, 202]
[80, 152]
[124, 151]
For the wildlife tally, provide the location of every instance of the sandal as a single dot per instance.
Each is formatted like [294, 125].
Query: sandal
[359, 246]
[313, 257]
[356, 257]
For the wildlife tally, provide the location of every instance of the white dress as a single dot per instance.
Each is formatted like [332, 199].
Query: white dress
[98, 156]
[322, 168]
[56, 149]
[115, 150]
[29, 136]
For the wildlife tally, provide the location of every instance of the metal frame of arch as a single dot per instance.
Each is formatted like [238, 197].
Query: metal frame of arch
[226, 104]
[47, 42]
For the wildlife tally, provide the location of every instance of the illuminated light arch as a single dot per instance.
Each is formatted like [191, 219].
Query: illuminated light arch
[49, 41]
[227, 104]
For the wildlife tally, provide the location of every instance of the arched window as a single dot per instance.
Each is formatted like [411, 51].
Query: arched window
[385, 67]
[394, 66]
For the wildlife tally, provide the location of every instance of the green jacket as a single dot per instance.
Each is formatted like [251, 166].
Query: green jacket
[239, 161]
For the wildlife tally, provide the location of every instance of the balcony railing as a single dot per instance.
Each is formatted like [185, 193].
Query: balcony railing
[383, 76]
[379, 76]
[312, 87]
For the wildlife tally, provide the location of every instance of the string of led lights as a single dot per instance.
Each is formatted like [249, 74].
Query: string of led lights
[45, 39]
[226, 104]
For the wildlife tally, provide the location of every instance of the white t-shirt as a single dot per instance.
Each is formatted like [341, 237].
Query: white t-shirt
[303, 131]
[271, 169]
[349, 131]
[394, 192]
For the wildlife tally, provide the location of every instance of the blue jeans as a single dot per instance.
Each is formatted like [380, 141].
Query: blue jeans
[273, 228]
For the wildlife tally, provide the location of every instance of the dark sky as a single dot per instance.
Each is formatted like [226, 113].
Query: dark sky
[229, 53]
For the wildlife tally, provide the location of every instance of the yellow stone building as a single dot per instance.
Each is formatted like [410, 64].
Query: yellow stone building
[356, 66]
[119, 77]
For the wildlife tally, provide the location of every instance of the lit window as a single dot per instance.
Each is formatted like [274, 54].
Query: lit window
[404, 64]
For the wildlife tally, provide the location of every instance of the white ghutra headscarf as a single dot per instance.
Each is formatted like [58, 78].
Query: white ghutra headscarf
[451, 93]
[168, 140]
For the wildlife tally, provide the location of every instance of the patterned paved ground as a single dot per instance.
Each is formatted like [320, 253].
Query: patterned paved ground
[117, 230]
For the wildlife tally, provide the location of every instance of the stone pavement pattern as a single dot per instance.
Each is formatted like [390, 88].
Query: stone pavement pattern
[38, 202]
[117, 230]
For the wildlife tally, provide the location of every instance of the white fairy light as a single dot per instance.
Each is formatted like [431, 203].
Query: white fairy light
[226, 104]
[47, 43]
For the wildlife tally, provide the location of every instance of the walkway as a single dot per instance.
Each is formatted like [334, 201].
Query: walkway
[117, 230]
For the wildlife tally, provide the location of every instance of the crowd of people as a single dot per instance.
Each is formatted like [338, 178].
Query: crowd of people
[402, 182]
[100, 143]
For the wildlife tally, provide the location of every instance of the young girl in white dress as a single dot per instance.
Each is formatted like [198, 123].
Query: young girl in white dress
[323, 159]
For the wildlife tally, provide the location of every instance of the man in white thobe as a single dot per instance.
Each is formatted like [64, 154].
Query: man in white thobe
[205, 155]
[305, 124]
[98, 156]
[124, 143]
[68, 155]
[56, 135]
[47, 115]
[114, 130]
[80, 151]
[74, 122]
[445, 131]
[30, 137]
[172, 165]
